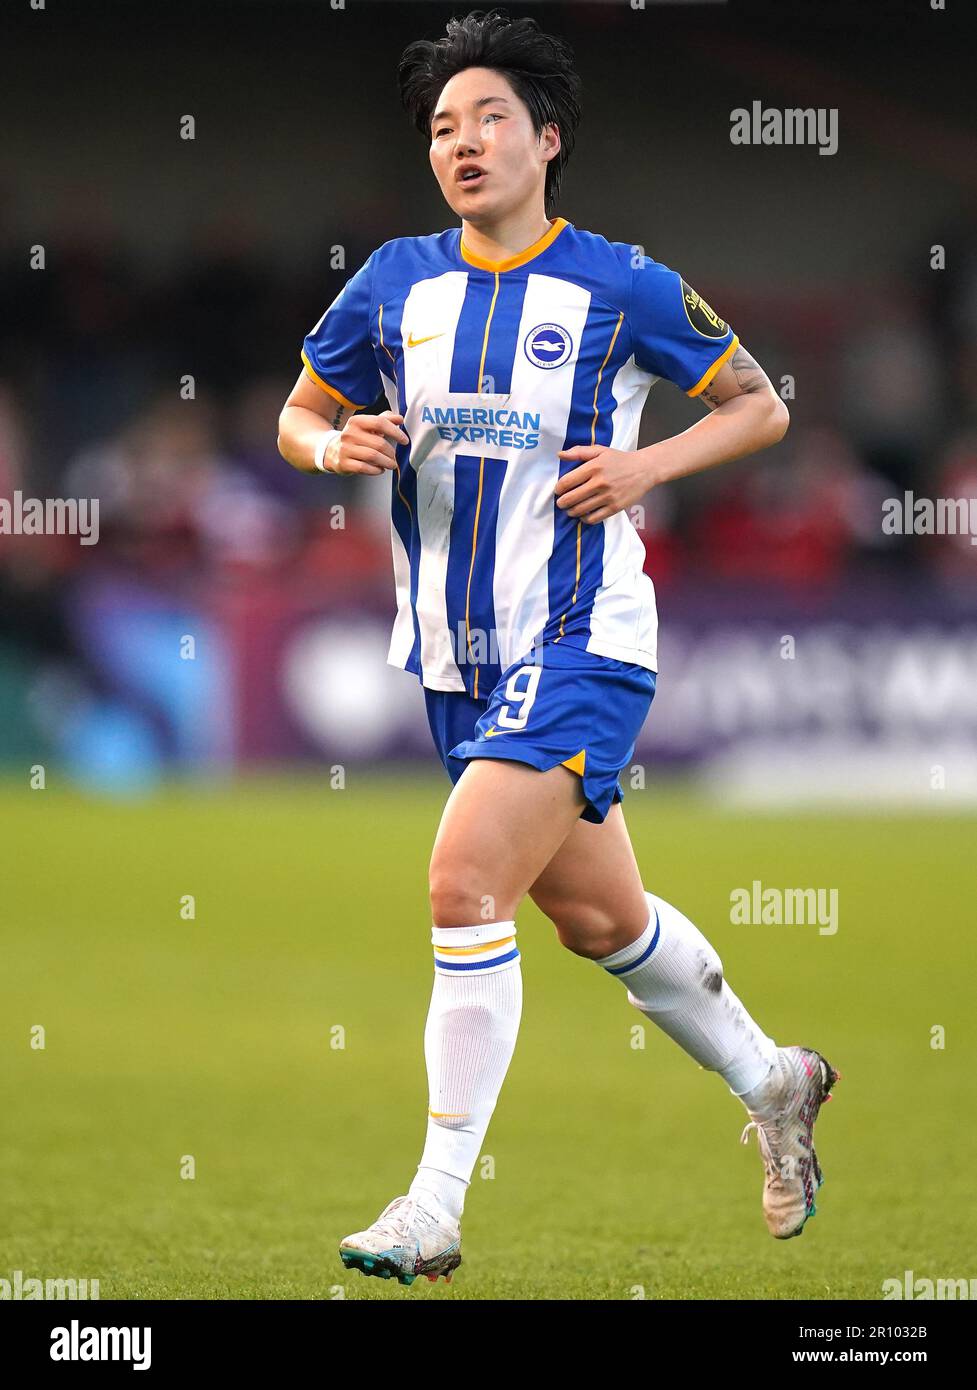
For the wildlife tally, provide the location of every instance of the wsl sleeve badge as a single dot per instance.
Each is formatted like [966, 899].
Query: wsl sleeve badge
[702, 318]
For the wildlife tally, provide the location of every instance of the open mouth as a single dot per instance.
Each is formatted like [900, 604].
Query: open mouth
[471, 178]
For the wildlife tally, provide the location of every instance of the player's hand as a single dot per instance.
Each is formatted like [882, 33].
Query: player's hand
[366, 444]
[607, 481]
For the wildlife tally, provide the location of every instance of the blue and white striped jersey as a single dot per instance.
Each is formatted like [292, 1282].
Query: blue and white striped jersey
[496, 366]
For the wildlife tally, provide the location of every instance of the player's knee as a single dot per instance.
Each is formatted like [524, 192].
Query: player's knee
[586, 929]
[460, 897]
[452, 904]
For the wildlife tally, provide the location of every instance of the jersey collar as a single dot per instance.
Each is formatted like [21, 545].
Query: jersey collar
[510, 263]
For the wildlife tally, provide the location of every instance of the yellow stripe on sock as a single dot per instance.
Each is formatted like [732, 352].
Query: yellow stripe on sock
[473, 950]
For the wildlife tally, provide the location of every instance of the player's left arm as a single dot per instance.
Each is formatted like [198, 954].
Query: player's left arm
[745, 415]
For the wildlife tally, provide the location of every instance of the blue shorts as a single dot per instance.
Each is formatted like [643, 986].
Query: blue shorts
[567, 706]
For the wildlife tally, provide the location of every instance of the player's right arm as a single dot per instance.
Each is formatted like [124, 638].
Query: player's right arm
[366, 444]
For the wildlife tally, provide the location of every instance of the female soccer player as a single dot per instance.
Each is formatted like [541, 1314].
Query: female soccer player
[516, 353]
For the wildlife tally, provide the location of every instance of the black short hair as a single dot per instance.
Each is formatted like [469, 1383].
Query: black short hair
[539, 66]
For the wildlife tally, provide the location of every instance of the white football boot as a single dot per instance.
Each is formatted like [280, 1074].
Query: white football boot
[782, 1110]
[405, 1240]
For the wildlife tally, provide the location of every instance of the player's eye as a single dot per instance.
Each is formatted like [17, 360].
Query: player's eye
[489, 116]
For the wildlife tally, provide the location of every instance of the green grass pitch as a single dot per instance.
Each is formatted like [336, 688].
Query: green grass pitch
[615, 1172]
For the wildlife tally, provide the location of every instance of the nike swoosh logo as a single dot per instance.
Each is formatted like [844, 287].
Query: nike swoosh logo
[416, 342]
[490, 733]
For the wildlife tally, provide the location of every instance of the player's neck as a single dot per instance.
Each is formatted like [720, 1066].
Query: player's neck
[508, 237]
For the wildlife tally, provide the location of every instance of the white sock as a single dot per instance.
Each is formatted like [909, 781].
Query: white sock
[469, 1039]
[675, 978]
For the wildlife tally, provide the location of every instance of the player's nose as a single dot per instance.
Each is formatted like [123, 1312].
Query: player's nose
[467, 142]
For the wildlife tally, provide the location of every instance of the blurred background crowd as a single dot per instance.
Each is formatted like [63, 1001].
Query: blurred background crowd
[823, 265]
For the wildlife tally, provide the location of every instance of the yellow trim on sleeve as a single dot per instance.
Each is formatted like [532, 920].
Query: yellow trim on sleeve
[705, 379]
[338, 395]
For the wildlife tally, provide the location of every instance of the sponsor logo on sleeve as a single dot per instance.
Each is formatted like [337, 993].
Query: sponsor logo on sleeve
[702, 318]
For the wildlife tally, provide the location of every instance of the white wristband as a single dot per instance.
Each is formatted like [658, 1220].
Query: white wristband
[322, 444]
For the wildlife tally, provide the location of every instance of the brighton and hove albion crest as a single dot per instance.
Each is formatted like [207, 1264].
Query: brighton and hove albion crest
[548, 345]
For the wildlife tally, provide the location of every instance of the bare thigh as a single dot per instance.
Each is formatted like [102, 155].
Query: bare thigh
[502, 825]
[591, 889]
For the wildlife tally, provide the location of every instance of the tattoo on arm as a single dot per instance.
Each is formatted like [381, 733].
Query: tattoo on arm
[337, 419]
[750, 377]
[749, 374]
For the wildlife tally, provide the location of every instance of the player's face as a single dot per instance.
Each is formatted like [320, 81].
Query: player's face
[480, 120]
